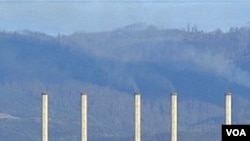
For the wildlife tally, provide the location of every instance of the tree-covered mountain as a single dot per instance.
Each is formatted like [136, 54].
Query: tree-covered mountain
[110, 66]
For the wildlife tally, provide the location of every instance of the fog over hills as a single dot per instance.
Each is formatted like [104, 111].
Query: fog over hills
[110, 66]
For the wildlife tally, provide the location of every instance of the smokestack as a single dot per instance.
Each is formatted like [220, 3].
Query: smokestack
[228, 108]
[137, 117]
[174, 117]
[84, 113]
[44, 117]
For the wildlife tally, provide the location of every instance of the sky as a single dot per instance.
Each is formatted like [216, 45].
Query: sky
[66, 17]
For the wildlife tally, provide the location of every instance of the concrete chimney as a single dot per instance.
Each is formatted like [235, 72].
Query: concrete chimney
[174, 117]
[84, 114]
[228, 108]
[44, 117]
[137, 117]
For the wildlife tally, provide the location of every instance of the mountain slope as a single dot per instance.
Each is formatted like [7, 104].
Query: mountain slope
[110, 67]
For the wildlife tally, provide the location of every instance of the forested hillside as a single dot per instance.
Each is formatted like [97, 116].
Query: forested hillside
[110, 66]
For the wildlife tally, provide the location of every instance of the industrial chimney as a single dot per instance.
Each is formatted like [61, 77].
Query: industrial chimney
[137, 117]
[44, 117]
[84, 120]
[174, 116]
[228, 108]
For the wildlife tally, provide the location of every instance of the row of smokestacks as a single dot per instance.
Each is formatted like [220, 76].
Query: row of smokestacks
[84, 113]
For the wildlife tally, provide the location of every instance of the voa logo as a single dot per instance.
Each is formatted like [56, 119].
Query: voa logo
[236, 132]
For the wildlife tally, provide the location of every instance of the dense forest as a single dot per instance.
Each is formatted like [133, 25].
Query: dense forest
[110, 66]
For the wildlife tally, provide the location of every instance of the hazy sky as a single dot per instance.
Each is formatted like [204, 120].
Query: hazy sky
[65, 17]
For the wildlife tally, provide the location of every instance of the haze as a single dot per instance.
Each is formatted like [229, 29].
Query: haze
[66, 17]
